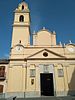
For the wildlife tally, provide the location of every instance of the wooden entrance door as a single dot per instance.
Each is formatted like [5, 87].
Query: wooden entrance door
[47, 86]
[1, 88]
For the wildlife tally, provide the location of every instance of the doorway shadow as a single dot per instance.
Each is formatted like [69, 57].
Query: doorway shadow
[71, 85]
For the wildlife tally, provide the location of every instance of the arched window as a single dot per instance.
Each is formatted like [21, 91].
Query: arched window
[22, 7]
[21, 19]
[19, 41]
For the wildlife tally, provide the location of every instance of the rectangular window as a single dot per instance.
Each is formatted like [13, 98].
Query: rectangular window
[32, 72]
[2, 72]
[60, 73]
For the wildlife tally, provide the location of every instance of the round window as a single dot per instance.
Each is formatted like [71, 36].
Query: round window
[45, 54]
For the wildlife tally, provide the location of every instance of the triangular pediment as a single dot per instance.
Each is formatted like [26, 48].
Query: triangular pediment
[45, 53]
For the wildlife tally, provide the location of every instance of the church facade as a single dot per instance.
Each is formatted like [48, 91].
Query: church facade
[41, 69]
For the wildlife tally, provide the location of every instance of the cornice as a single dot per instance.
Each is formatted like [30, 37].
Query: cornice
[4, 61]
[25, 59]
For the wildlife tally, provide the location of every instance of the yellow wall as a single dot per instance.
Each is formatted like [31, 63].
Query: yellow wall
[16, 79]
[71, 76]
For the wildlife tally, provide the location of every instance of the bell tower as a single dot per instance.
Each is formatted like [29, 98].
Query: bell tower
[21, 25]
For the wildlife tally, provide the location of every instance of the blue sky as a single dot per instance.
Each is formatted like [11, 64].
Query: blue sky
[55, 15]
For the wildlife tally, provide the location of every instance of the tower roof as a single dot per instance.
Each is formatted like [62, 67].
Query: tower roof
[23, 6]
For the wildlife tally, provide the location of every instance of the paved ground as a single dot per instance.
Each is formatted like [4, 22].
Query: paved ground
[44, 98]
[50, 98]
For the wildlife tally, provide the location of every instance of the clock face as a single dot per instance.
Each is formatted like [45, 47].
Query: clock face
[71, 49]
[19, 48]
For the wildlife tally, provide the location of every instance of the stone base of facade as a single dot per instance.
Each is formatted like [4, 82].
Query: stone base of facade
[15, 94]
[61, 93]
[65, 93]
[30, 94]
[33, 94]
[2, 95]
